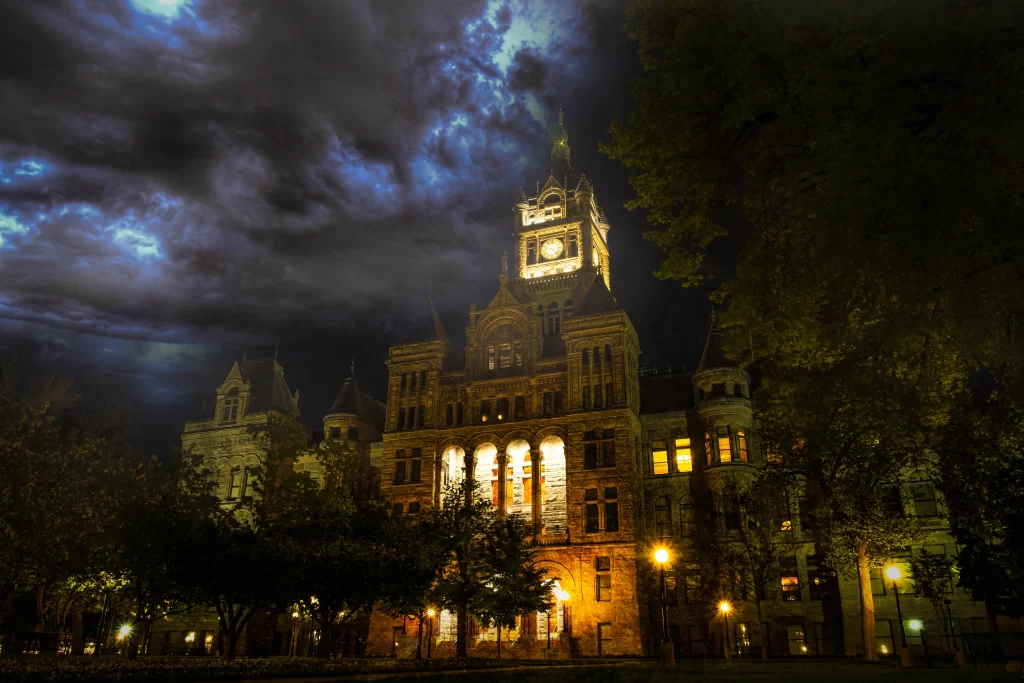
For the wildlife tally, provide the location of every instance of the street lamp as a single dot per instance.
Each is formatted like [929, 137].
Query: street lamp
[724, 607]
[668, 654]
[563, 598]
[430, 629]
[894, 574]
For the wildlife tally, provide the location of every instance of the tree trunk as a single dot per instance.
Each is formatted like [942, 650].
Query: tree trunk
[98, 650]
[40, 617]
[760, 629]
[77, 637]
[460, 632]
[867, 604]
[499, 641]
[232, 644]
[991, 614]
[132, 642]
[419, 634]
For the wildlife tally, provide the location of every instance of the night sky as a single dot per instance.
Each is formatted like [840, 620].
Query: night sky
[181, 180]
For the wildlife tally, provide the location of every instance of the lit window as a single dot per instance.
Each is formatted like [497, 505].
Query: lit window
[660, 452]
[527, 483]
[684, 457]
[491, 359]
[741, 440]
[505, 357]
[786, 526]
[724, 446]
[236, 483]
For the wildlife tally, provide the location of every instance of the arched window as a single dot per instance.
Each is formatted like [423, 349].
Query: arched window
[688, 515]
[554, 514]
[552, 199]
[485, 472]
[231, 403]
[608, 355]
[554, 321]
[663, 517]
[923, 491]
[585, 357]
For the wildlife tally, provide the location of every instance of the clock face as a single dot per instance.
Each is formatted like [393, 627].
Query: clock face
[551, 249]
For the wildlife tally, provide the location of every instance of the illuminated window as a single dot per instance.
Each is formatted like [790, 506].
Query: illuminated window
[684, 457]
[531, 252]
[504, 357]
[502, 409]
[527, 483]
[660, 452]
[797, 643]
[574, 249]
[741, 440]
[724, 445]
[789, 579]
[250, 480]
[491, 358]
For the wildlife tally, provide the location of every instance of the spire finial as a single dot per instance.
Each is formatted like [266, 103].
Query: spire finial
[276, 345]
[560, 122]
[352, 367]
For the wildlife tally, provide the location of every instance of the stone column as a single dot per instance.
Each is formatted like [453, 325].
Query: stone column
[502, 484]
[470, 476]
[535, 509]
[438, 478]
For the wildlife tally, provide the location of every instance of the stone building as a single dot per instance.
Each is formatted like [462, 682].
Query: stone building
[546, 409]
[254, 390]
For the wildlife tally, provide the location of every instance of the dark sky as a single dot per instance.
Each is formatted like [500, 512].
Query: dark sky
[182, 179]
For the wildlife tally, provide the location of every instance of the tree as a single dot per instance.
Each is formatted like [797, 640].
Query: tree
[751, 554]
[933, 577]
[861, 163]
[157, 526]
[516, 586]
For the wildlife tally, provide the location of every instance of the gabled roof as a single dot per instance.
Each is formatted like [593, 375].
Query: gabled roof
[353, 401]
[597, 299]
[268, 388]
[714, 352]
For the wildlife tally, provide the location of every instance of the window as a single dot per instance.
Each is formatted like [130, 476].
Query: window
[790, 579]
[401, 418]
[458, 413]
[684, 456]
[924, 499]
[335, 432]
[396, 509]
[504, 357]
[797, 644]
[531, 252]
[586, 398]
[549, 404]
[883, 637]
[816, 578]
[485, 410]
[250, 480]
[554, 321]
[893, 501]
[414, 474]
[399, 472]
[410, 418]
[611, 511]
[604, 639]
[558, 403]
[492, 359]
[236, 483]
[663, 517]
[517, 355]
[824, 639]
[502, 409]
[231, 406]
[707, 447]
[353, 433]
[449, 414]
[688, 515]
[598, 402]
[741, 637]
[405, 382]
[660, 453]
[593, 519]
[414, 508]
[567, 309]
[877, 581]
[520, 407]
[741, 443]
[609, 394]
[598, 449]
[603, 580]
[608, 355]
[574, 247]
[731, 510]
[421, 414]
[608, 448]
[724, 445]
[694, 585]
[597, 361]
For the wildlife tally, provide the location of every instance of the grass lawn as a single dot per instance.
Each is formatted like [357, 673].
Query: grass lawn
[781, 672]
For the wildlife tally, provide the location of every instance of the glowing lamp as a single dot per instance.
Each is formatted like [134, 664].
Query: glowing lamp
[431, 612]
[893, 573]
[724, 607]
[191, 637]
[915, 624]
[124, 631]
[661, 556]
[295, 614]
[562, 595]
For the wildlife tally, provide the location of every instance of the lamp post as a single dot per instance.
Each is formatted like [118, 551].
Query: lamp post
[430, 629]
[724, 607]
[668, 653]
[906, 658]
[918, 625]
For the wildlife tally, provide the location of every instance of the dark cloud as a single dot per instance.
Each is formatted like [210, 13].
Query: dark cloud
[238, 173]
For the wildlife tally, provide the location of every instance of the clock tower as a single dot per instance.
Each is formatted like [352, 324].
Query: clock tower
[561, 230]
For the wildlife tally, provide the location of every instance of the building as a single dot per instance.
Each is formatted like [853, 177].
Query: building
[547, 411]
[253, 391]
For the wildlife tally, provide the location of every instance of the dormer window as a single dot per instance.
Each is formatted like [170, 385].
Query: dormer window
[231, 402]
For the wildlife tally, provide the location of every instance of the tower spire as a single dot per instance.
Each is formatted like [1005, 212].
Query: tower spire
[352, 367]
